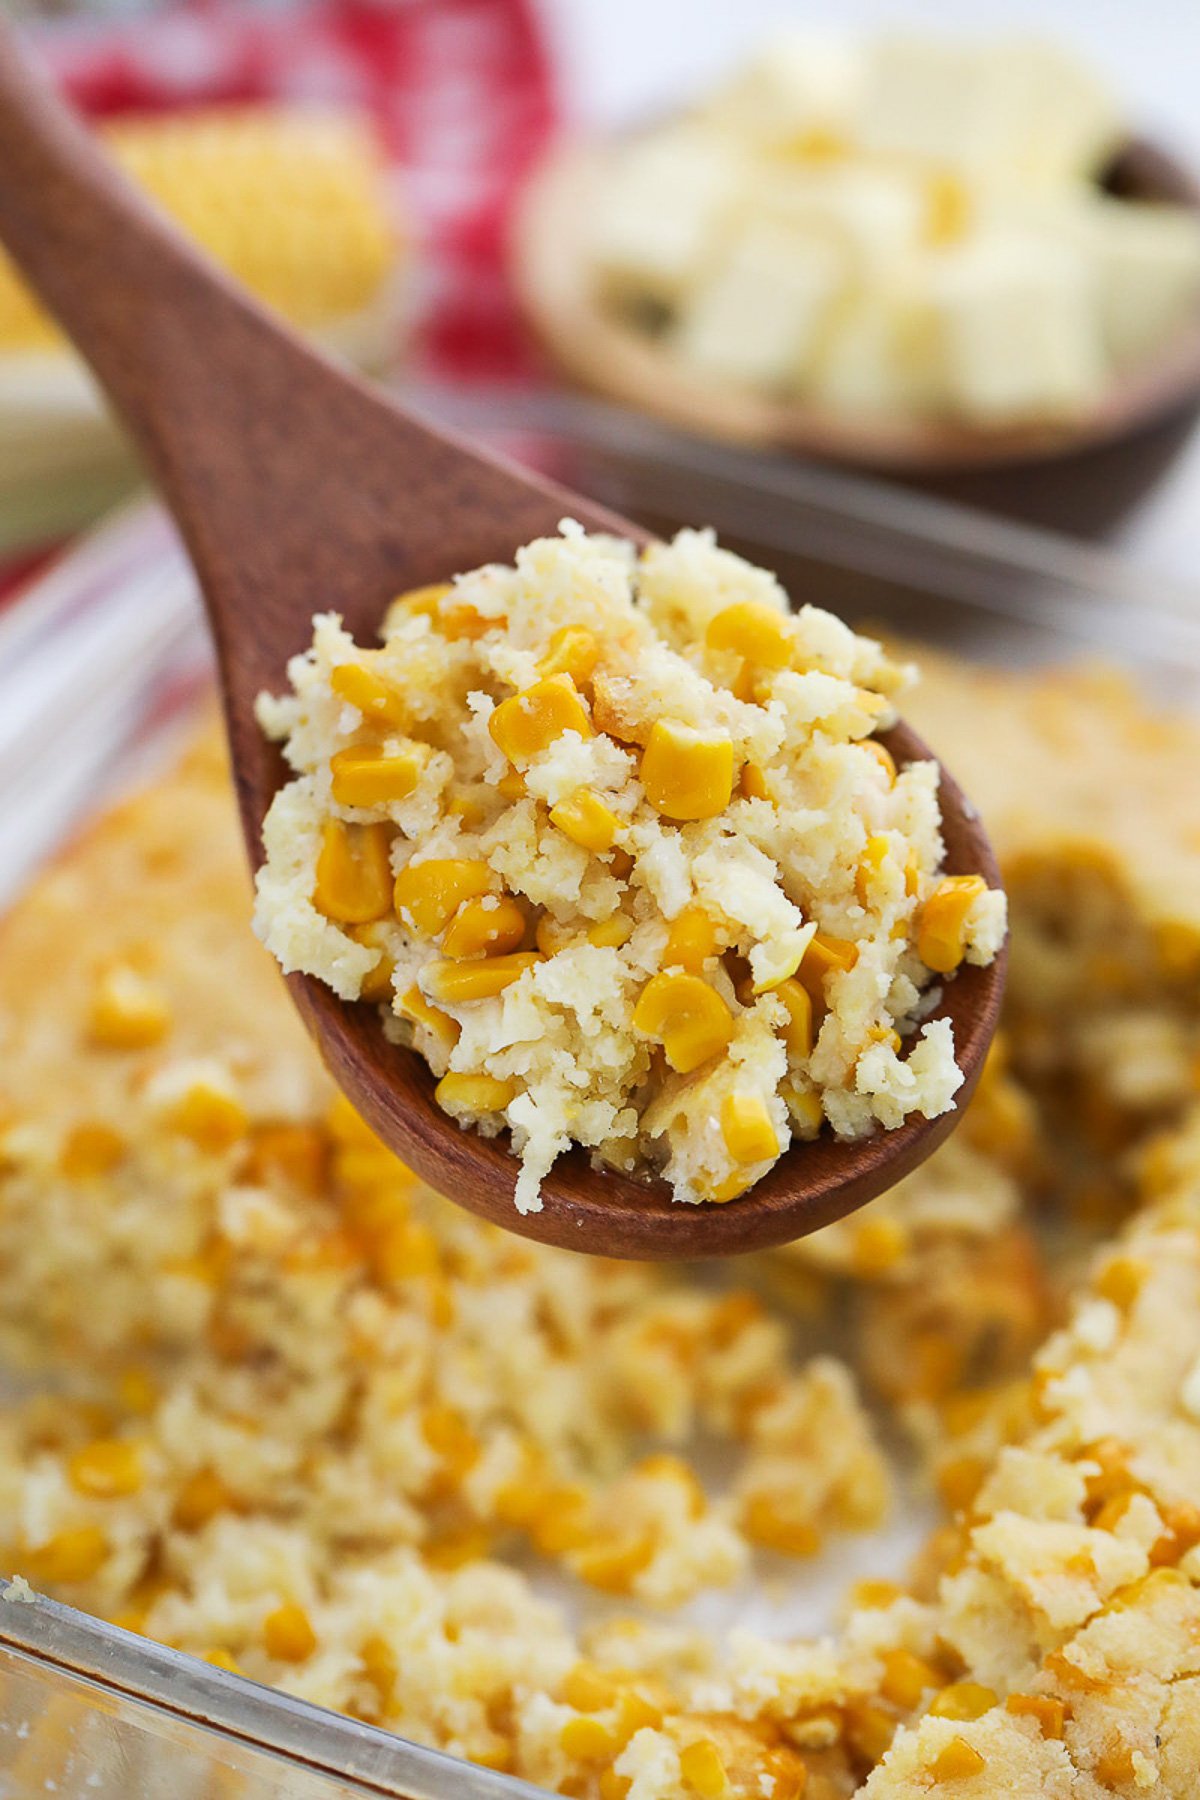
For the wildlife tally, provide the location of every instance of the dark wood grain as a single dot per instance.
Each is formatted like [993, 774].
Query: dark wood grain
[299, 489]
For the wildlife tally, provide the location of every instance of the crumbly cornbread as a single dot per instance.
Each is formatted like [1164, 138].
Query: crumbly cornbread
[304, 1412]
[612, 840]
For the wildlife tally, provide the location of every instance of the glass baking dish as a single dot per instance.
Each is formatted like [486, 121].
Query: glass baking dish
[101, 663]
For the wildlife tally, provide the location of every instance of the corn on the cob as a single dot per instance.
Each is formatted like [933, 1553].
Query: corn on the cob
[291, 203]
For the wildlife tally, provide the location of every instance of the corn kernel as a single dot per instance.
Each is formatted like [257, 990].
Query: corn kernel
[551, 935]
[586, 1740]
[212, 1120]
[872, 1593]
[474, 1093]
[766, 1523]
[788, 1777]
[963, 1700]
[427, 894]
[589, 1689]
[878, 1245]
[687, 774]
[454, 983]
[941, 935]
[947, 208]
[365, 776]
[90, 1150]
[804, 1109]
[413, 1005]
[361, 686]
[1121, 1279]
[612, 1564]
[353, 875]
[906, 1677]
[753, 631]
[448, 1435]
[288, 1634]
[381, 1667]
[875, 854]
[138, 1392]
[406, 1251]
[614, 1786]
[72, 1555]
[106, 1470]
[202, 1496]
[573, 650]
[512, 786]
[703, 1771]
[453, 622]
[528, 723]
[798, 1032]
[1051, 1714]
[826, 955]
[487, 927]
[883, 757]
[958, 1761]
[753, 784]
[127, 1011]
[610, 934]
[376, 988]
[691, 940]
[635, 1713]
[586, 821]
[686, 1016]
[746, 1126]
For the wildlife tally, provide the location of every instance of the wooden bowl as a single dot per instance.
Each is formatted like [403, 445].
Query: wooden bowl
[1079, 474]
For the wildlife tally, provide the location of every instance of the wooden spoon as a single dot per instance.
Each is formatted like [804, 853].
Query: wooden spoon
[297, 488]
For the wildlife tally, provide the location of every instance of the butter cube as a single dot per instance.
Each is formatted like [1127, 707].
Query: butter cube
[661, 207]
[881, 362]
[800, 95]
[878, 215]
[759, 318]
[1018, 327]
[1147, 271]
[1007, 114]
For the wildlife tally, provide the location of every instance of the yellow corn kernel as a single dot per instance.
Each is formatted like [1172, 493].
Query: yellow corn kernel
[381, 1667]
[702, 1769]
[878, 1245]
[958, 1761]
[750, 1136]
[512, 786]
[72, 1555]
[869, 1730]
[875, 854]
[753, 631]
[453, 983]
[589, 1689]
[826, 955]
[686, 1016]
[906, 1677]
[212, 1120]
[872, 1593]
[361, 686]
[753, 784]
[90, 1150]
[413, 1005]
[138, 1392]
[529, 723]
[448, 1435]
[474, 1093]
[586, 821]
[614, 1786]
[427, 894]
[691, 940]
[365, 776]
[424, 601]
[202, 1496]
[635, 1713]
[127, 1011]
[106, 1470]
[883, 757]
[788, 1776]
[1121, 1280]
[947, 208]
[487, 927]
[798, 1032]
[288, 1634]
[406, 1251]
[941, 934]
[376, 986]
[612, 1564]
[587, 1741]
[221, 1659]
[573, 650]
[354, 876]
[804, 1109]
[1051, 1714]
[610, 934]
[770, 1525]
[963, 1700]
[687, 774]
[453, 622]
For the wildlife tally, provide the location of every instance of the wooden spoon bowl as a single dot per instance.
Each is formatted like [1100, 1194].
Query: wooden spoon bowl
[298, 488]
[592, 344]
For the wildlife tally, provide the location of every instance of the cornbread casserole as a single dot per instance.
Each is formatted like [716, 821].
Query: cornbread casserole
[610, 839]
[306, 1417]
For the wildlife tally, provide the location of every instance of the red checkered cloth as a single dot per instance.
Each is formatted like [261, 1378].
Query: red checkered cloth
[461, 92]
